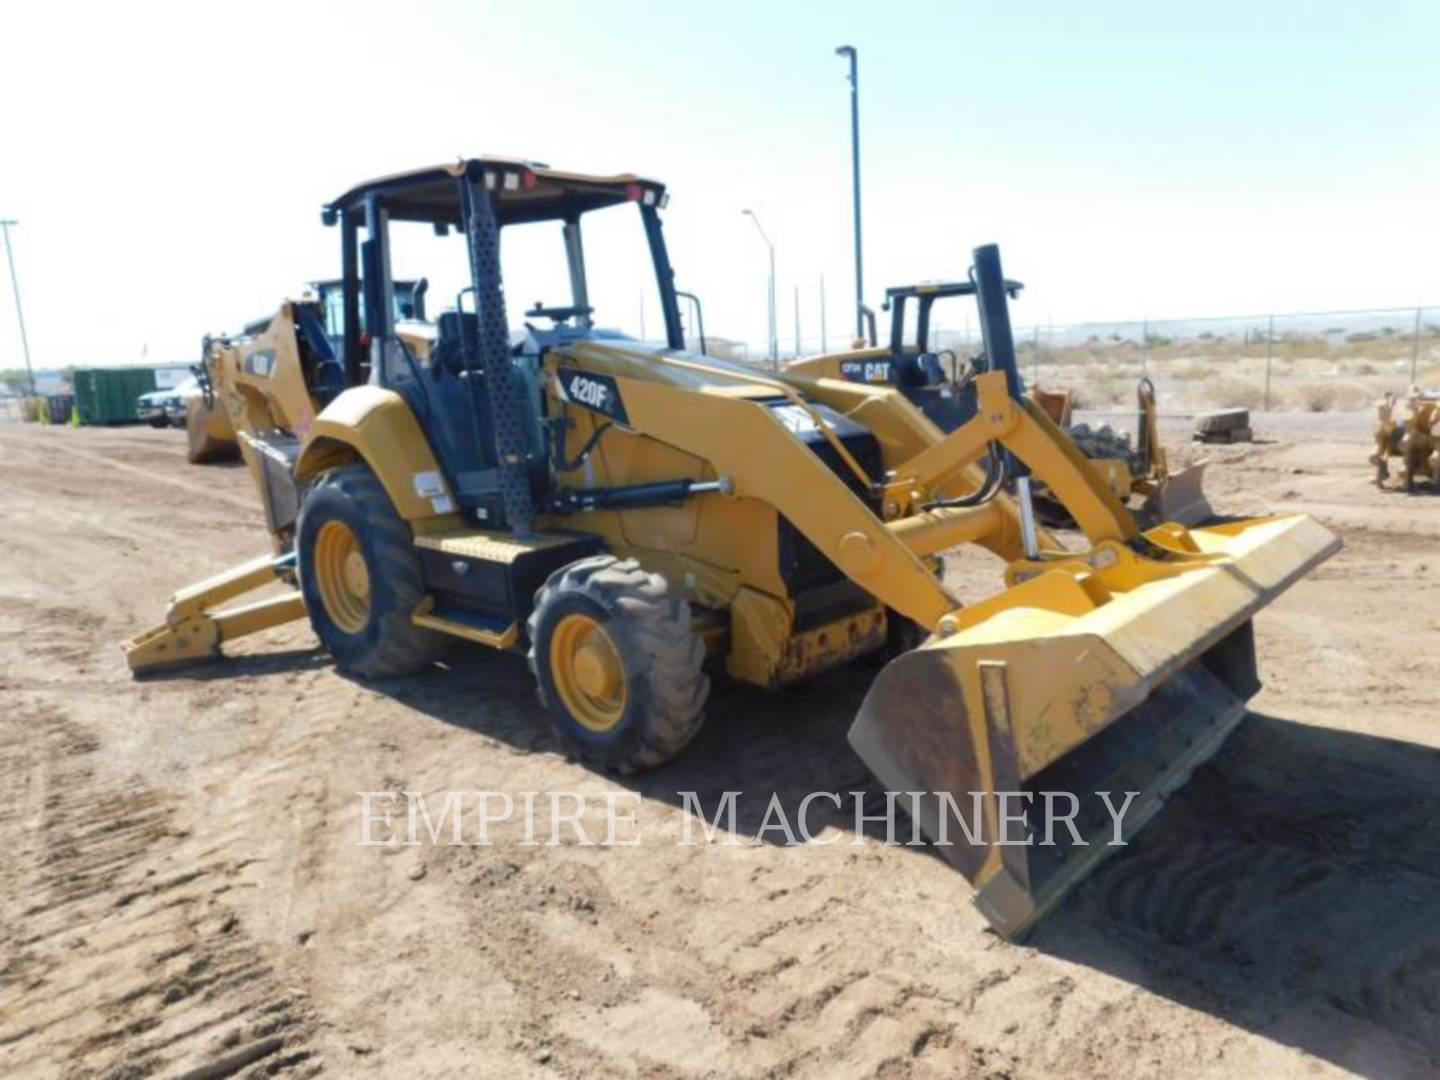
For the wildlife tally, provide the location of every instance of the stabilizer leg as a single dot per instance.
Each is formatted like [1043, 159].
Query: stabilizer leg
[194, 631]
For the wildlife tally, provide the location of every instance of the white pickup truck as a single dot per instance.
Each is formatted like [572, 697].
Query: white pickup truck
[161, 408]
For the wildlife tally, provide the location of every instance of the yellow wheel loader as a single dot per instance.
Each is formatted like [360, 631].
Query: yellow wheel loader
[1412, 434]
[636, 520]
[942, 384]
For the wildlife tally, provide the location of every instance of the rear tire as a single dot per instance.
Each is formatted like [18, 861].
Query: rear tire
[361, 578]
[617, 664]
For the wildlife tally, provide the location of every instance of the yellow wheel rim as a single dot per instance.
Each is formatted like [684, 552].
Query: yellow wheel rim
[588, 673]
[342, 577]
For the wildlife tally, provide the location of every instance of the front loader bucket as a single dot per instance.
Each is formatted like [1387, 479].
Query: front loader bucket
[1060, 686]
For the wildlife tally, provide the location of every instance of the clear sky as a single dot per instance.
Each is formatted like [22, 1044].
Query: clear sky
[167, 164]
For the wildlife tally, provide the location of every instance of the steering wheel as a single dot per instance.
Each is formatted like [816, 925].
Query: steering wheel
[558, 314]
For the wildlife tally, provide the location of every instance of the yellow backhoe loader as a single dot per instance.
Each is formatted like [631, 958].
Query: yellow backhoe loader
[1410, 433]
[210, 433]
[941, 383]
[635, 518]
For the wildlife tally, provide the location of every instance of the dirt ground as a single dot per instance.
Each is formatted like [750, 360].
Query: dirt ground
[182, 885]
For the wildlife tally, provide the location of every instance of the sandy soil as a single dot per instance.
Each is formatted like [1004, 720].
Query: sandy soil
[182, 884]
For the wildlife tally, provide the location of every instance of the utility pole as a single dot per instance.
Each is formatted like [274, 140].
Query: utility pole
[849, 52]
[797, 320]
[1415, 349]
[824, 344]
[774, 333]
[19, 311]
[1269, 352]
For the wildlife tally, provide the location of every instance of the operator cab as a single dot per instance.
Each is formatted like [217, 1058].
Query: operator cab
[473, 383]
[936, 381]
[408, 299]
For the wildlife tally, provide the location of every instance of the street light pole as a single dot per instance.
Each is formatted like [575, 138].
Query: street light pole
[774, 335]
[19, 311]
[849, 51]
[824, 345]
[797, 321]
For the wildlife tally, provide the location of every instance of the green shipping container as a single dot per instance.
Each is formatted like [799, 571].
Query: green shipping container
[107, 395]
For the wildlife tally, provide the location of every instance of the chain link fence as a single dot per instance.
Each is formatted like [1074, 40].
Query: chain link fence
[1313, 361]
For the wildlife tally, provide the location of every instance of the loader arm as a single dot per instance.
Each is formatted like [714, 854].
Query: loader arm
[743, 441]
[1023, 428]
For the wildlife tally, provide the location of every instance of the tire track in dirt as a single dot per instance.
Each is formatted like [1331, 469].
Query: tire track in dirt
[116, 960]
[201, 490]
[1305, 860]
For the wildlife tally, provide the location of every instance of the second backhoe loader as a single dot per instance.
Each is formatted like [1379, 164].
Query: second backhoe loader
[941, 383]
[636, 519]
[273, 400]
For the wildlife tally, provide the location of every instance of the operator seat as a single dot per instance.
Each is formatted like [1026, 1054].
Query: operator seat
[460, 427]
[913, 371]
[462, 432]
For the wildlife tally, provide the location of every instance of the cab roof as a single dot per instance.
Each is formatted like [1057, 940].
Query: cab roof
[939, 289]
[525, 190]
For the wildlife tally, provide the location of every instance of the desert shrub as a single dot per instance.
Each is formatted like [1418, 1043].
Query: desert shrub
[1098, 393]
[1332, 395]
[1317, 397]
[1069, 354]
[1231, 393]
[1192, 371]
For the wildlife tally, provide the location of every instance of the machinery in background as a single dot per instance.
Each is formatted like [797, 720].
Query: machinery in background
[221, 376]
[1141, 468]
[636, 519]
[1410, 432]
[937, 382]
[941, 383]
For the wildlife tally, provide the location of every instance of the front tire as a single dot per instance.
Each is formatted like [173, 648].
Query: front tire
[361, 578]
[617, 664]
